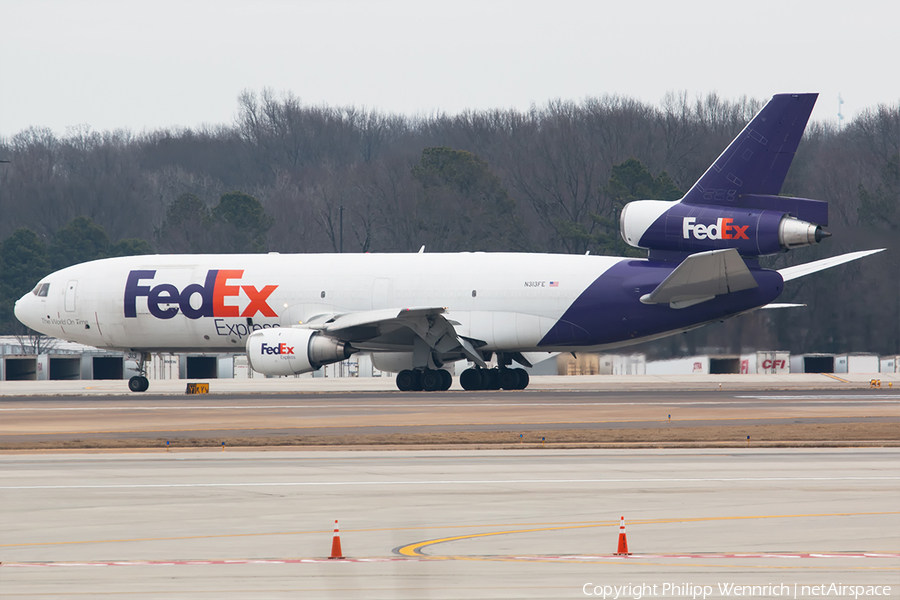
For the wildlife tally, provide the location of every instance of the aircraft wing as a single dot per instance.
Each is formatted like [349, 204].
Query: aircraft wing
[826, 263]
[377, 317]
[383, 328]
[701, 277]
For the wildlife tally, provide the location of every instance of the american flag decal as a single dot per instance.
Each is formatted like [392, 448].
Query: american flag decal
[554, 284]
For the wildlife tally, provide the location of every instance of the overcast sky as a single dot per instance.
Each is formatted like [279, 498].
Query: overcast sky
[144, 65]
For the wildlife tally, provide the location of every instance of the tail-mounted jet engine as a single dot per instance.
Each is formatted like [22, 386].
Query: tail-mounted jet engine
[287, 351]
[755, 225]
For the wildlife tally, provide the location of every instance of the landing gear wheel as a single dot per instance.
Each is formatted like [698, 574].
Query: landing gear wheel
[447, 380]
[470, 379]
[523, 378]
[432, 380]
[138, 383]
[508, 379]
[490, 379]
[408, 380]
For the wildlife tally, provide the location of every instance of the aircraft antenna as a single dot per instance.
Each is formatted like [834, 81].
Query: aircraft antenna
[839, 115]
[342, 228]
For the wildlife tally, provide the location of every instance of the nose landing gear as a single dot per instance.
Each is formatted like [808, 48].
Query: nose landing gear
[140, 383]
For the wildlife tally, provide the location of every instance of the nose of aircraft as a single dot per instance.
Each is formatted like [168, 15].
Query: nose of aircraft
[25, 310]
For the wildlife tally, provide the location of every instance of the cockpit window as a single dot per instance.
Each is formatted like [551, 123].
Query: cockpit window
[44, 288]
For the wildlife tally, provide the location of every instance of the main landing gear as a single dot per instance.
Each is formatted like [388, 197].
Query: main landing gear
[475, 378]
[494, 379]
[140, 383]
[429, 380]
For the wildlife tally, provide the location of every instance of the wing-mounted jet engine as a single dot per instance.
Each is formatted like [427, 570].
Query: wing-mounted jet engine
[735, 203]
[289, 351]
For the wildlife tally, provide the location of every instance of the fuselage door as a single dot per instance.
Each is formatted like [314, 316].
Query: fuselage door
[70, 295]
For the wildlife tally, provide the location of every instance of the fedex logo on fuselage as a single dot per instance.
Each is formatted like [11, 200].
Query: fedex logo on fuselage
[281, 348]
[213, 295]
[722, 229]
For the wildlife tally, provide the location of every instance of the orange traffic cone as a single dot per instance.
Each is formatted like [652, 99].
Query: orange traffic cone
[623, 542]
[336, 543]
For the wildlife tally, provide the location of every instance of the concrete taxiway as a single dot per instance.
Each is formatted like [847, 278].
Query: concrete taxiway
[437, 524]
[595, 383]
[496, 418]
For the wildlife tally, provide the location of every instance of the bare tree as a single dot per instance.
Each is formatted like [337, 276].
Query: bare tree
[33, 342]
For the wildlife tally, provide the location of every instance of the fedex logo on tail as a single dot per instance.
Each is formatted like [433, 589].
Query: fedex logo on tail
[213, 294]
[722, 229]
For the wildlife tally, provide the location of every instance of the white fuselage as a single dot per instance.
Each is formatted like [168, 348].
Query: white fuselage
[510, 301]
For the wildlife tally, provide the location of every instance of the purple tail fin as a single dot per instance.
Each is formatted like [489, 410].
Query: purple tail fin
[757, 161]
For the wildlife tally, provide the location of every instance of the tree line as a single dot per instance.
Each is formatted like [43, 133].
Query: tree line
[290, 177]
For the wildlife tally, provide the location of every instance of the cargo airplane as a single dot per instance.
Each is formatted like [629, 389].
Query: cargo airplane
[416, 313]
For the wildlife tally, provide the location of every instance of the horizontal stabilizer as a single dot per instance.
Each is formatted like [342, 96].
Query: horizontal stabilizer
[702, 277]
[826, 263]
[781, 305]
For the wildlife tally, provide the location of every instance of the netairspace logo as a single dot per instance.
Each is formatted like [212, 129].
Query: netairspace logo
[689, 590]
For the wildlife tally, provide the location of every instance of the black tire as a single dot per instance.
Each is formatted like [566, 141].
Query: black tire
[136, 384]
[431, 380]
[509, 379]
[523, 378]
[407, 380]
[447, 380]
[490, 378]
[470, 379]
[145, 384]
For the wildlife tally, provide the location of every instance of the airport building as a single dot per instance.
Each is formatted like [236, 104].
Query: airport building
[41, 359]
[775, 363]
[772, 362]
[26, 358]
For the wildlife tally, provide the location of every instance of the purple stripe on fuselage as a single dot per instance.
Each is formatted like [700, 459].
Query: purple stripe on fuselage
[610, 310]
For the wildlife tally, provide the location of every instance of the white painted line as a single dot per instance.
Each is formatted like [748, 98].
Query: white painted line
[121, 486]
[535, 558]
[861, 399]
